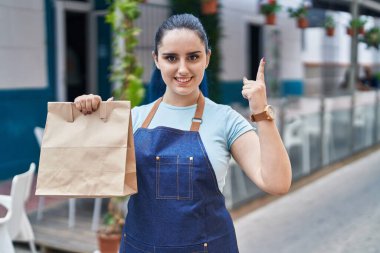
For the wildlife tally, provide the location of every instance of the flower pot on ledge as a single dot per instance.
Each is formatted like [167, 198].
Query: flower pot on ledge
[302, 23]
[209, 7]
[270, 19]
[349, 31]
[361, 30]
[330, 31]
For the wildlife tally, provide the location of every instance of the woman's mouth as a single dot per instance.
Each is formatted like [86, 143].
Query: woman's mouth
[183, 80]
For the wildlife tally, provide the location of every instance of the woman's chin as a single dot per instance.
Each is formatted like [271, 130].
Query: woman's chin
[184, 90]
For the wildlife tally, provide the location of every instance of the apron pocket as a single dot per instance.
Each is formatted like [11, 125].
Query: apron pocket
[174, 177]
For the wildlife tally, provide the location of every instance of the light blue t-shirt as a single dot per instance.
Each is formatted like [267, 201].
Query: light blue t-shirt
[220, 127]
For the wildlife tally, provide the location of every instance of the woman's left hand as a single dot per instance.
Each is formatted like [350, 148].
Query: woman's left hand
[255, 91]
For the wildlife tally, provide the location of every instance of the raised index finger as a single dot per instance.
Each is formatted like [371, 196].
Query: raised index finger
[260, 71]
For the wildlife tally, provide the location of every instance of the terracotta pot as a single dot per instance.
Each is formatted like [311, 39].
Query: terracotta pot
[270, 19]
[330, 31]
[209, 7]
[361, 30]
[302, 23]
[349, 31]
[109, 243]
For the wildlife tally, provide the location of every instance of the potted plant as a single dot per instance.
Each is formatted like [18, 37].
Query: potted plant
[330, 26]
[109, 235]
[358, 24]
[269, 9]
[372, 37]
[126, 74]
[300, 14]
[209, 7]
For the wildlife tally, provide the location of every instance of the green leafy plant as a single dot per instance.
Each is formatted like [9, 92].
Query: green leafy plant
[329, 22]
[377, 75]
[126, 72]
[357, 22]
[270, 8]
[372, 37]
[113, 220]
[299, 12]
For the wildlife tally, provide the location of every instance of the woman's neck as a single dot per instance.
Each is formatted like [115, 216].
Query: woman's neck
[180, 100]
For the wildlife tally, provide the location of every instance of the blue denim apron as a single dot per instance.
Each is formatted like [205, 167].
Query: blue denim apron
[179, 207]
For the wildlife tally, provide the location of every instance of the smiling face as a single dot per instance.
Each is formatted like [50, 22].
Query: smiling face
[182, 60]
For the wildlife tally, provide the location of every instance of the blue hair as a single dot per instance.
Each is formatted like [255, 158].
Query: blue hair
[157, 86]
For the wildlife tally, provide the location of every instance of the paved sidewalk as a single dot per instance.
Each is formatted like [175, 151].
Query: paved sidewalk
[337, 213]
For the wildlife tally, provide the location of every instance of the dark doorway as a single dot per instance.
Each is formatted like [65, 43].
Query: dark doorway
[254, 50]
[76, 54]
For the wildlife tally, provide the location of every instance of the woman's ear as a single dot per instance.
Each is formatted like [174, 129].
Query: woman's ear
[208, 55]
[155, 58]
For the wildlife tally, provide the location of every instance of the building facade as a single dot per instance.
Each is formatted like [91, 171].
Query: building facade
[55, 50]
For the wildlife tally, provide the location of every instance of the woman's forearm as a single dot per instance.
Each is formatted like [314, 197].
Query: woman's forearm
[275, 166]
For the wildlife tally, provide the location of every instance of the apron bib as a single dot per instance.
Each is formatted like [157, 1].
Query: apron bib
[179, 207]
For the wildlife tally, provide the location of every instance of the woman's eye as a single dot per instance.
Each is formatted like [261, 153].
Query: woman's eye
[193, 57]
[171, 58]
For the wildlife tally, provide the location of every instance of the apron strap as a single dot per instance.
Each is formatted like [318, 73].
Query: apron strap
[196, 120]
[151, 113]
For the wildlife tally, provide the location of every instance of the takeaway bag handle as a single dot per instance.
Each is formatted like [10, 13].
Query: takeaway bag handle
[102, 111]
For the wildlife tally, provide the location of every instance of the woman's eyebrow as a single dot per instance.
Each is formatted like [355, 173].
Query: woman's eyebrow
[195, 52]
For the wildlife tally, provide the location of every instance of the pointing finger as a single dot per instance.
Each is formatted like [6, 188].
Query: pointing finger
[260, 71]
[245, 80]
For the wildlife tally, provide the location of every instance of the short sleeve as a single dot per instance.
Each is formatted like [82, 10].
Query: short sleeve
[236, 125]
[139, 114]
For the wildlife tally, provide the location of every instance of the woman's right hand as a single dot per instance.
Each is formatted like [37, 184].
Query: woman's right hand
[87, 103]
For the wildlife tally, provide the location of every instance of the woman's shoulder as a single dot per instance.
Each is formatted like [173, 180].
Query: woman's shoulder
[142, 108]
[217, 108]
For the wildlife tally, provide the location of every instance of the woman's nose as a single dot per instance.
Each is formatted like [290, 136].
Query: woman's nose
[183, 68]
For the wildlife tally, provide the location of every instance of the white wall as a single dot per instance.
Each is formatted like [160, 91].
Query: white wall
[22, 44]
[234, 47]
[336, 49]
[235, 16]
[318, 49]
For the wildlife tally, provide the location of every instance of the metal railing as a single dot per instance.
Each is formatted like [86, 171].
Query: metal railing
[316, 132]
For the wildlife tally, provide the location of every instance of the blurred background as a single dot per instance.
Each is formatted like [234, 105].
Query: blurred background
[322, 74]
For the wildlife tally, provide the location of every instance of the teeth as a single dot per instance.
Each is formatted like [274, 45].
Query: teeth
[183, 80]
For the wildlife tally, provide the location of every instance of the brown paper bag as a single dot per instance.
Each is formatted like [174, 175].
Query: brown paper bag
[87, 155]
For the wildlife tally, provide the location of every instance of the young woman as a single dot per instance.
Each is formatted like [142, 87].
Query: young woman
[183, 144]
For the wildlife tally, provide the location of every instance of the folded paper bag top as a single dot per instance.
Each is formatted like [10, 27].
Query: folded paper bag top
[87, 155]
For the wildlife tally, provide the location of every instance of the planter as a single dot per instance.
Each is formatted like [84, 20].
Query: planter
[270, 19]
[330, 31]
[349, 31]
[361, 30]
[109, 243]
[209, 7]
[302, 23]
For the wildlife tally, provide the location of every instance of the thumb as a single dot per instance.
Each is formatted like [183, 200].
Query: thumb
[110, 99]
